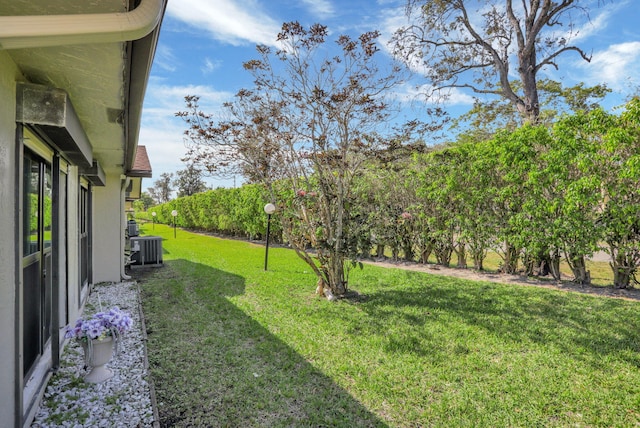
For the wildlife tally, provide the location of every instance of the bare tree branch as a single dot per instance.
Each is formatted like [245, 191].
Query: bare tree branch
[448, 40]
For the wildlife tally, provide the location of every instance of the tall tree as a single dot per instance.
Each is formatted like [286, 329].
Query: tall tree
[470, 44]
[319, 118]
[189, 181]
[161, 190]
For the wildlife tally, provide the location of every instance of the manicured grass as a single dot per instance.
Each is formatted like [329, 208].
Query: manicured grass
[233, 345]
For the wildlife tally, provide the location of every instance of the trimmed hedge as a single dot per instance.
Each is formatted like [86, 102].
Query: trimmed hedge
[234, 212]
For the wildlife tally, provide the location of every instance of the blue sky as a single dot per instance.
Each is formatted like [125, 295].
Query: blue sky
[203, 44]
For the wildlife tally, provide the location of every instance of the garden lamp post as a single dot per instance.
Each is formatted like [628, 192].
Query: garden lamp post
[174, 214]
[269, 209]
[153, 218]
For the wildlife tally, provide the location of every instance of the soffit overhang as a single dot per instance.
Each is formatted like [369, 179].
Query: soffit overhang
[105, 81]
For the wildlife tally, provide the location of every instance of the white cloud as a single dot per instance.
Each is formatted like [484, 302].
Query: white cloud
[233, 22]
[456, 97]
[417, 95]
[598, 22]
[163, 133]
[164, 148]
[391, 20]
[594, 26]
[210, 66]
[617, 66]
[321, 8]
[164, 58]
[164, 98]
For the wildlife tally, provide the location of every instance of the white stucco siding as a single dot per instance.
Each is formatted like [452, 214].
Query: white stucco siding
[8, 237]
[108, 230]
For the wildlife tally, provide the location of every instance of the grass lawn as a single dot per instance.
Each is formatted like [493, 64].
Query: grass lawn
[233, 345]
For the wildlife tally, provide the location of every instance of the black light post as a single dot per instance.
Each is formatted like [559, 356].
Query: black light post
[153, 217]
[174, 213]
[269, 209]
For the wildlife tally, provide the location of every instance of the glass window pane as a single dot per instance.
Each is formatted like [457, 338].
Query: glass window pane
[48, 208]
[30, 203]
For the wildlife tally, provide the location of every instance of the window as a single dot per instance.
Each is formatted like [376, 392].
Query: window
[37, 266]
[84, 237]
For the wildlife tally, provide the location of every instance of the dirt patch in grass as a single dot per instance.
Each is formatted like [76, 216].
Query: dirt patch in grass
[474, 275]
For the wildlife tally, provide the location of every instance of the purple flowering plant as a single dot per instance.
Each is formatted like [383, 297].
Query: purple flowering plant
[100, 326]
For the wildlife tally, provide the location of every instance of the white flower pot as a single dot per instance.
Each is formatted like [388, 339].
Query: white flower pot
[97, 354]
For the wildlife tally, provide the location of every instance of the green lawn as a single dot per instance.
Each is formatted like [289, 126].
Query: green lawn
[233, 345]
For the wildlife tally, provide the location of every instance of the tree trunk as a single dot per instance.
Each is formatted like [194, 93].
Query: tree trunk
[425, 252]
[542, 263]
[538, 264]
[395, 251]
[461, 254]
[554, 266]
[510, 259]
[623, 269]
[579, 269]
[621, 277]
[528, 263]
[443, 253]
[407, 249]
[379, 250]
[335, 265]
[334, 278]
[478, 258]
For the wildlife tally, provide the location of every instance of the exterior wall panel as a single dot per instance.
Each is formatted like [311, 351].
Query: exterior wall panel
[108, 213]
[9, 239]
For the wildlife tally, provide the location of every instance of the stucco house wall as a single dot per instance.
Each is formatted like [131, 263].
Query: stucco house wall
[108, 215]
[48, 267]
[8, 264]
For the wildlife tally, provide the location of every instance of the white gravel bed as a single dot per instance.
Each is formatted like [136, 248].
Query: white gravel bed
[121, 401]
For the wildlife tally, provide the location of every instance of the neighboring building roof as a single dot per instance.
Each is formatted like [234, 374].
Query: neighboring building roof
[141, 164]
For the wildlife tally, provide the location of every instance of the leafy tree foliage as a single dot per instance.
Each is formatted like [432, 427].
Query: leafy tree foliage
[243, 144]
[618, 166]
[146, 200]
[143, 203]
[189, 181]
[235, 212]
[487, 117]
[161, 190]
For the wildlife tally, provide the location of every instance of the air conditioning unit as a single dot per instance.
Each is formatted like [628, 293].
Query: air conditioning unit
[132, 228]
[146, 251]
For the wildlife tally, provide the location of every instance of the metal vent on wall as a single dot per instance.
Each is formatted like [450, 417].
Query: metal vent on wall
[146, 251]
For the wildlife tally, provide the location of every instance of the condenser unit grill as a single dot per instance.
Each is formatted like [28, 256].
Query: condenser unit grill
[133, 229]
[146, 251]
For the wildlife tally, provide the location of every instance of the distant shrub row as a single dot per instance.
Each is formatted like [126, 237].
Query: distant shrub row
[234, 212]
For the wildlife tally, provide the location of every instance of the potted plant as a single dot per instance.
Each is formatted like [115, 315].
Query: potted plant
[99, 335]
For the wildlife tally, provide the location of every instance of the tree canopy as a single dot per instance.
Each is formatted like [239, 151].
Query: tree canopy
[310, 121]
[472, 44]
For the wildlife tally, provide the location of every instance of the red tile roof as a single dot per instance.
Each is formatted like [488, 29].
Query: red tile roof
[141, 164]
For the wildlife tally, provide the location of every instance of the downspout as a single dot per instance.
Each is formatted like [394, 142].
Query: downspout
[17, 32]
[123, 224]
